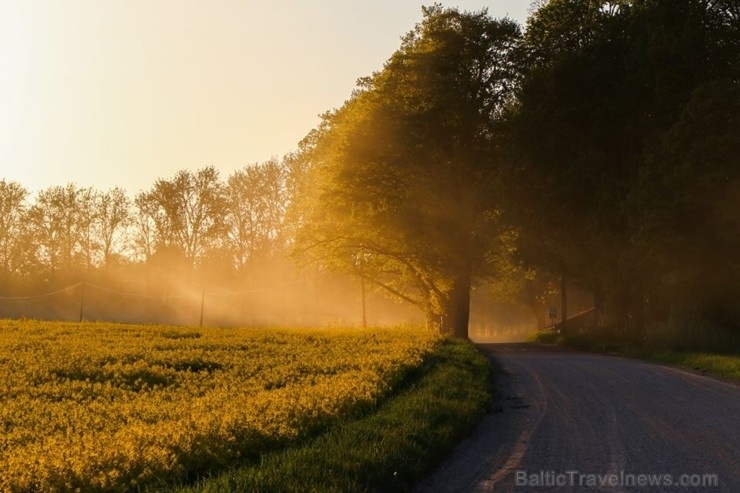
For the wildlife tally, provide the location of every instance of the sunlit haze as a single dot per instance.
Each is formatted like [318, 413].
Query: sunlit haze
[120, 93]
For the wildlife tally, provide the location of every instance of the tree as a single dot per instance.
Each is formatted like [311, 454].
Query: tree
[558, 28]
[603, 83]
[113, 216]
[59, 221]
[184, 214]
[145, 226]
[87, 220]
[685, 210]
[401, 182]
[13, 209]
[255, 205]
[566, 165]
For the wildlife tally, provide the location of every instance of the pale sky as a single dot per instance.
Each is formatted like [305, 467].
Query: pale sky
[108, 93]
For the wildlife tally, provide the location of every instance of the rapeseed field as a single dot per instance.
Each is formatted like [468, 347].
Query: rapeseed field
[107, 407]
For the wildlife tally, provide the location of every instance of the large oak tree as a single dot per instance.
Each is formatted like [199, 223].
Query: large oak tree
[401, 183]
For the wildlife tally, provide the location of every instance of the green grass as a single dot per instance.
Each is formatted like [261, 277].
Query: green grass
[387, 450]
[719, 365]
[545, 337]
[725, 366]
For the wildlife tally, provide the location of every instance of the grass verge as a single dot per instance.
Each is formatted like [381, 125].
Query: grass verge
[726, 366]
[545, 337]
[718, 365]
[387, 450]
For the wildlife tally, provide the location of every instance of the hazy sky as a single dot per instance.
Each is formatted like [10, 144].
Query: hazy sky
[111, 93]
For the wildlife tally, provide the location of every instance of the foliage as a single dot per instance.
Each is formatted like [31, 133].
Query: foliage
[387, 450]
[60, 221]
[184, 214]
[113, 217]
[546, 337]
[720, 365]
[12, 213]
[101, 407]
[256, 208]
[609, 151]
[686, 208]
[401, 179]
[188, 229]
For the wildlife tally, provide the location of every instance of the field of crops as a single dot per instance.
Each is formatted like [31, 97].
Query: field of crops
[103, 407]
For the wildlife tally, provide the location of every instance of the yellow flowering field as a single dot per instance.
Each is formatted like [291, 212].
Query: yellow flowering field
[107, 407]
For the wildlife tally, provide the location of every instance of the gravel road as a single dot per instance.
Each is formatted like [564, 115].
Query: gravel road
[573, 421]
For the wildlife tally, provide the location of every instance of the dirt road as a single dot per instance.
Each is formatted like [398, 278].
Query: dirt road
[573, 421]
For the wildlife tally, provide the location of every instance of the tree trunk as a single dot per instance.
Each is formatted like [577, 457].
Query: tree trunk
[530, 300]
[455, 321]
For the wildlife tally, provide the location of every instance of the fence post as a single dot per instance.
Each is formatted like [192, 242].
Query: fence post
[82, 300]
[362, 284]
[202, 305]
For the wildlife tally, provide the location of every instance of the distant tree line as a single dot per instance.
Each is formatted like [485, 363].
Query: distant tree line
[194, 221]
[192, 239]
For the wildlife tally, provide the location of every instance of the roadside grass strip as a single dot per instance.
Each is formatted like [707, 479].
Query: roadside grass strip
[719, 365]
[104, 407]
[384, 451]
[726, 366]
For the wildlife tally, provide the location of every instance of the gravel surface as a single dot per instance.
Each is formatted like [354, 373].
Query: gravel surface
[571, 421]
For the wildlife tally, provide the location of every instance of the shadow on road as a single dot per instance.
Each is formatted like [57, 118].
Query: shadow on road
[522, 347]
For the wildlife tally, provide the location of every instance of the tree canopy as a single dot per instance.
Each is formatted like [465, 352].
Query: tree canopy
[402, 179]
[607, 89]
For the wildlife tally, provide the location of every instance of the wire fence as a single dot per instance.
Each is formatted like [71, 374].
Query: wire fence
[282, 302]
